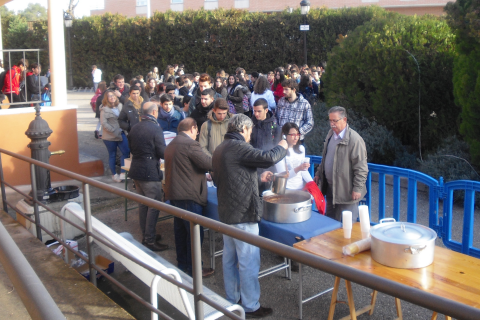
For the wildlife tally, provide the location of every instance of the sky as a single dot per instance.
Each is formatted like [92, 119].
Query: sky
[82, 9]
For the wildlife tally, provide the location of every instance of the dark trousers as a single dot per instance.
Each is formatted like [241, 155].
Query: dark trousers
[335, 211]
[148, 216]
[14, 98]
[182, 234]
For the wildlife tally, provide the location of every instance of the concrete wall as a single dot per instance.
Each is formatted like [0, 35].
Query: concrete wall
[63, 122]
[128, 7]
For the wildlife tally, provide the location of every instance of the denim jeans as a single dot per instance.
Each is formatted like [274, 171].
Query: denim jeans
[182, 234]
[112, 152]
[241, 264]
[148, 216]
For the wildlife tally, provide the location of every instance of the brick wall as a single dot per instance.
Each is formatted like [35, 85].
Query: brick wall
[419, 7]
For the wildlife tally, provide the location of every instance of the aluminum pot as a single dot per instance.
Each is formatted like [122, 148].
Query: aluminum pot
[402, 245]
[292, 207]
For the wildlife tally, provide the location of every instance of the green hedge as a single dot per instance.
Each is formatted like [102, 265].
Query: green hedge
[372, 73]
[203, 40]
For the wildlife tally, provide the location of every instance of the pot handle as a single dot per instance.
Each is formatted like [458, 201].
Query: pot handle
[302, 208]
[387, 220]
[414, 250]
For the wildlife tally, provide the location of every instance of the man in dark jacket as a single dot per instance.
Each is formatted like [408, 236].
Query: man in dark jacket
[204, 82]
[186, 187]
[33, 82]
[235, 164]
[130, 114]
[147, 146]
[266, 132]
[200, 114]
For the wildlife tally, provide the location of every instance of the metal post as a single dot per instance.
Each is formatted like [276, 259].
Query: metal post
[305, 38]
[197, 269]
[70, 70]
[34, 201]
[4, 195]
[300, 292]
[88, 226]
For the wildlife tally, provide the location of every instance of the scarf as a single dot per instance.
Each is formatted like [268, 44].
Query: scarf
[138, 104]
[166, 115]
[234, 136]
[149, 117]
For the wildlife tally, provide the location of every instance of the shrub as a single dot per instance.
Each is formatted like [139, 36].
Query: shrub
[372, 72]
[382, 146]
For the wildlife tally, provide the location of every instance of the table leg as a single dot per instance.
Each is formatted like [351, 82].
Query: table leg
[372, 302]
[351, 303]
[334, 298]
[434, 316]
[300, 292]
[398, 305]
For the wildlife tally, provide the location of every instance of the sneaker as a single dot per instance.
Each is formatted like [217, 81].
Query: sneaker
[259, 313]
[97, 134]
[122, 176]
[116, 178]
[207, 272]
[157, 246]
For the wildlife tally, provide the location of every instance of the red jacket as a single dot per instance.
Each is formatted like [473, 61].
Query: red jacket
[278, 92]
[15, 80]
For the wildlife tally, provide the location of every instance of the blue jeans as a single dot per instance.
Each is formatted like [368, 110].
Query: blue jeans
[182, 234]
[241, 264]
[112, 152]
[148, 216]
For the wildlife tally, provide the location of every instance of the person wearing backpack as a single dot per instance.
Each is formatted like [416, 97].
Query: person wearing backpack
[235, 94]
[12, 80]
[214, 129]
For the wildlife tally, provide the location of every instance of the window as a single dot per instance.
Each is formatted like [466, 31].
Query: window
[242, 4]
[177, 1]
[141, 3]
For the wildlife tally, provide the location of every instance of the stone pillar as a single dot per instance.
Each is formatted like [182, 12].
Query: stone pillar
[56, 46]
[38, 132]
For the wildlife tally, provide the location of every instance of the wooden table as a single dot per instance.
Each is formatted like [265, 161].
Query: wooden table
[452, 275]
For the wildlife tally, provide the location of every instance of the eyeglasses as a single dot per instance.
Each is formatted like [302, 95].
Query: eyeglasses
[294, 134]
[334, 121]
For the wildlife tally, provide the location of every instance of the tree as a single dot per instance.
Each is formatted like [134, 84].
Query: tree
[34, 12]
[462, 17]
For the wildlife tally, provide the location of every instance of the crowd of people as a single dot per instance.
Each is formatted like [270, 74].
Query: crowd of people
[235, 131]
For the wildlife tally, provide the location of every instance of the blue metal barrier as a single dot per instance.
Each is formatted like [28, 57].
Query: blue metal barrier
[436, 190]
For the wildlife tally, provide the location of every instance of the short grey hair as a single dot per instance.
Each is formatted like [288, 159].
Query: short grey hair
[148, 108]
[237, 122]
[341, 111]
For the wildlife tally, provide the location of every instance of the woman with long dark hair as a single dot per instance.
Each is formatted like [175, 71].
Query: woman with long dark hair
[220, 88]
[261, 90]
[113, 136]
[235, 95]
[297, 166]
[151, 88]
[277, 84]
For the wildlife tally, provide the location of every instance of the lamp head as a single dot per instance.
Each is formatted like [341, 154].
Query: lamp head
[305, 6]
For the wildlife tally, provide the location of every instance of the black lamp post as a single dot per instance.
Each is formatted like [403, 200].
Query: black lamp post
[68, 24]
[305, 7]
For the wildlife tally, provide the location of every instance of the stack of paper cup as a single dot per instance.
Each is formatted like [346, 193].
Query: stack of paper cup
[364, 221]
[347, 224]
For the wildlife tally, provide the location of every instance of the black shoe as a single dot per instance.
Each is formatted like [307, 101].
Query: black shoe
[259, 313]
[97, 136]
[207, 272]
[158, 237]
[156, 246]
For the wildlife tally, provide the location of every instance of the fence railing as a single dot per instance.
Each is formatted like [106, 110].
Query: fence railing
[396, 289]
[437, 191]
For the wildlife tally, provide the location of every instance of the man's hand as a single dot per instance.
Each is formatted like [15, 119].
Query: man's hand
[283, 143]
[266, 176]
[117, 93]
[316, 179]
[356, 195]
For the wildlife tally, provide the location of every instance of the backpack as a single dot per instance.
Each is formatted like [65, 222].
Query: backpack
[93, 101]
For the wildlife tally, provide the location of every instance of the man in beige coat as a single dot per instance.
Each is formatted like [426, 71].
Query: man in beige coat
[213, 130]
[186, 186]
[344, 170]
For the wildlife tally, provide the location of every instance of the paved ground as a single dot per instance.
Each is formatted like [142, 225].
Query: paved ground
[277, 292]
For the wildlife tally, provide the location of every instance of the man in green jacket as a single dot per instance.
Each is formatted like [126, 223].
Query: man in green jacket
[343, 171]
[213, 130]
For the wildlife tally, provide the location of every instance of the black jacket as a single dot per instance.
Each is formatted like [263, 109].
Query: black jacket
[265, 134]
[129, 116]
[236, 97]
[147, 146]
[200, 114]
[235, 164]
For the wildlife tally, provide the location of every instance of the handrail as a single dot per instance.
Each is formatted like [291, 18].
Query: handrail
[30, 288]
[401, 291]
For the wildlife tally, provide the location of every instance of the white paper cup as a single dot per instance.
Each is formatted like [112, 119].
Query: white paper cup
[347, 219]
[347, 233]
[306, 160]
[365, 235]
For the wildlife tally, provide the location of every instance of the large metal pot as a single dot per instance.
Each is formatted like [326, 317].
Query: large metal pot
[292, 207]
[402, 244]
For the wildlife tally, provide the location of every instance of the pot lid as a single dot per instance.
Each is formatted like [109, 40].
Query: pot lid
[402, 233]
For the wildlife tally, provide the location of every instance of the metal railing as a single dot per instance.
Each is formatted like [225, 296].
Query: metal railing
[437, 190]
[396, 289]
